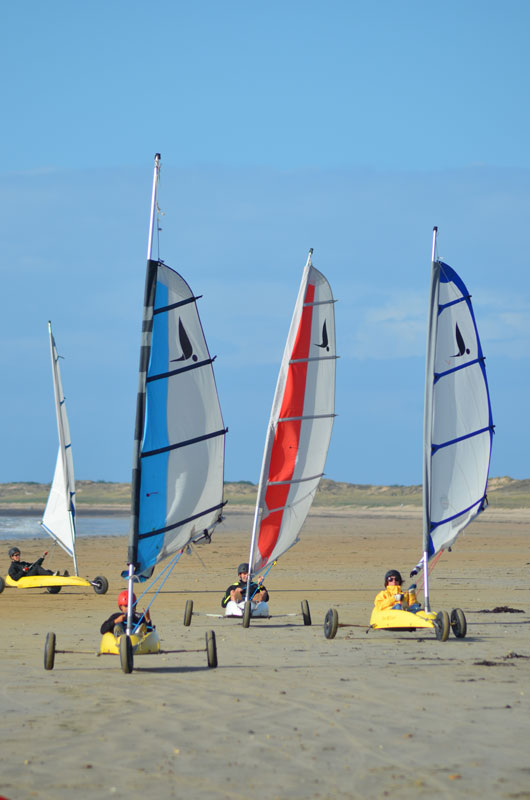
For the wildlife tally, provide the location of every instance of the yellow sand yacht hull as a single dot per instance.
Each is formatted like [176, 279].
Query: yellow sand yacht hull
[142, 644]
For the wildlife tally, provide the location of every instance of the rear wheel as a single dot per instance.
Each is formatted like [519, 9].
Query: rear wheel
[2, 585]
[100, 584]
[442, 626]
[49, 651]
[53, 589]
[331, 623]
[458, 623]
[188, 611]
[246, 615]
[306, 614]
[126, 654]
[211, 649]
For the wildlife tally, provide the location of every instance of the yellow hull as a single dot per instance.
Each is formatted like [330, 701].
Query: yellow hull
[44, 581]
[142, 644]
[393, 619]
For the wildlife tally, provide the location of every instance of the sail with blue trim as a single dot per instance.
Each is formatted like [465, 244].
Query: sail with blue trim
[59, 515]
[178, 462]
[458, 425]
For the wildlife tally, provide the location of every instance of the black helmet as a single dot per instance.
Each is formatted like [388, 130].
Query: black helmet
[393, 573]
[12, 551]
[242, 568]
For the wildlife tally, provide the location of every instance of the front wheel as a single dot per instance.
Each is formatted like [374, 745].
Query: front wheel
[188, 611]
[211, 649]
[442, 626]
[246, 614]
[126, 654]
[458, 623]
[100, 584]
[306, 614]
[49, 651]
[331, 623]
[53, 589]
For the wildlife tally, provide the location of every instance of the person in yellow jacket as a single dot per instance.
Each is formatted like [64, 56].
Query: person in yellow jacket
[394, 597]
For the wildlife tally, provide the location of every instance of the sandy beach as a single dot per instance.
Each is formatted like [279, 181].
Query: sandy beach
[287, 713]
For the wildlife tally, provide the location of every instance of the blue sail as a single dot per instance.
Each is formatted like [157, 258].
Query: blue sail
[179, 441]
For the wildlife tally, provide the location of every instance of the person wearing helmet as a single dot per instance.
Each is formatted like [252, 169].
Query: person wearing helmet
[393, 597]
[117, 622]
[20, 569]
[235, 596]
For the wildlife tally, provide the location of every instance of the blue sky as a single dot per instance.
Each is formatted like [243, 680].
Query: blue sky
[345, 126]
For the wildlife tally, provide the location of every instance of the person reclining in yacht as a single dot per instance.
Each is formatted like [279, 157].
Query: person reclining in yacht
[235, 596]
[393, 597]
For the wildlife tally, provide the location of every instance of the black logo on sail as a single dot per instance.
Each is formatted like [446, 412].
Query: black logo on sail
[185, 345]
[325, 341]
[462, 349]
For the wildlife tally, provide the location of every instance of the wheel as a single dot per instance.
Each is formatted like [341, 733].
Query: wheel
[49, 651]
[246, 615]
[100, 584]
[331, 623]
[458, 623]
[53, 589]
[442, 626]
[306, 614]
[188, 611]
[126, 654]
[211, 649]
[2, 585]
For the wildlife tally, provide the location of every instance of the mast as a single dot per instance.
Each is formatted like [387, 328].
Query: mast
[427, 418]
[66, 479]
[140, 404]
[271, 431]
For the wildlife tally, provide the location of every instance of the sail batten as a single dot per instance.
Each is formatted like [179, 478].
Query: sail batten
[300, 425]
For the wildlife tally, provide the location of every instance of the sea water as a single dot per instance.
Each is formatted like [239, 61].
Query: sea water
[20, 527]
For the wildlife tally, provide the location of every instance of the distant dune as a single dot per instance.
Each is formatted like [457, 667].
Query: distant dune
[91, 495]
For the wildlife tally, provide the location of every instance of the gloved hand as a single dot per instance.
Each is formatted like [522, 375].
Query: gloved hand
[413, 572]
[398, 598]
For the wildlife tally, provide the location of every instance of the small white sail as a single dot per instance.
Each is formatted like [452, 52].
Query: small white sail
[301, 422]
[458, 426]
[178, 464]
[59, 514]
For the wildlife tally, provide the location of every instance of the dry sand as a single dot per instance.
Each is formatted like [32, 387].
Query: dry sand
[288, 713]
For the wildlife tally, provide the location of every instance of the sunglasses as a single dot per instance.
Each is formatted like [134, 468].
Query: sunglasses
[392, 580]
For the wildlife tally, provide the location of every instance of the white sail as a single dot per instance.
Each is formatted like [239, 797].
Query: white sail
[59, 514]
[458, 427]
[301, 422]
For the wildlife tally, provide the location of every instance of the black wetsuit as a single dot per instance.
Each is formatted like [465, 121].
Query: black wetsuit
[243, 586]
[108, 625]
[21, 569]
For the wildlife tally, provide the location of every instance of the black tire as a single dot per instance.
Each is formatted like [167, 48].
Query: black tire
[126, 654]
[188, 612]
[49, 651]
[331, 623]
[53, 589]
[246, 614]
[2, 585]
[306, 614]
[458, 623]
[100, 584]
[211, 649]
[442, 626]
